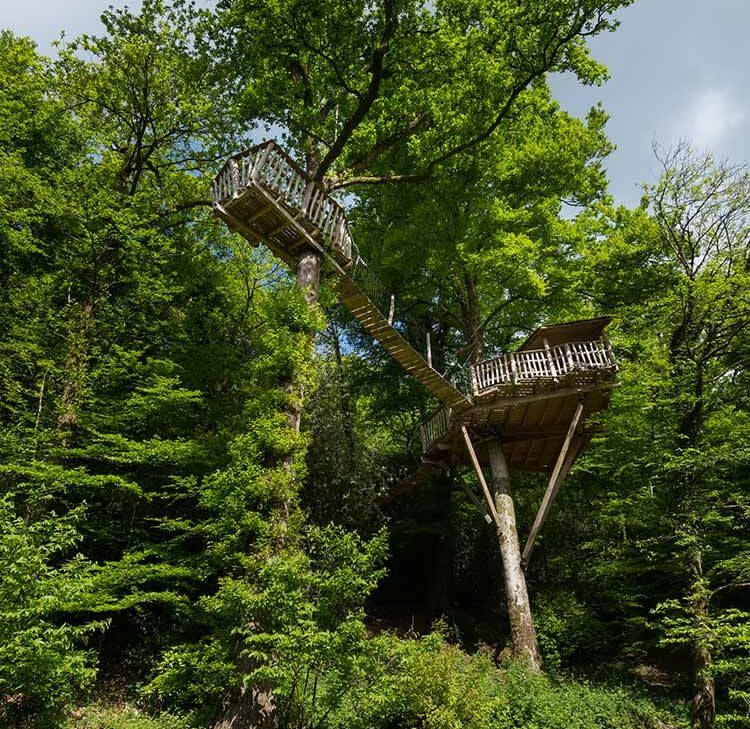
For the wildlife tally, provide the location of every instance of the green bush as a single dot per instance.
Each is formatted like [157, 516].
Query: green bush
[42, 664]
[431, 685]
[566, 629]
[102, 716]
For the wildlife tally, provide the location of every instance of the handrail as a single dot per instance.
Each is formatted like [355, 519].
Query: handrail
[270, 166]
[307, 204]
[285, 183]
[539, 364]
[435, 427]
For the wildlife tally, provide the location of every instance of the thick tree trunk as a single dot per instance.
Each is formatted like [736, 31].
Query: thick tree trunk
[516, 593]
[248, 708]
[308, 276]
[308, 281]
[472, 319]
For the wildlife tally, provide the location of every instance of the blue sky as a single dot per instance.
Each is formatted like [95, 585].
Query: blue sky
[679, 70]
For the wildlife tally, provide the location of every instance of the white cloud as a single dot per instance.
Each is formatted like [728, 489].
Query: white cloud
[709, 118]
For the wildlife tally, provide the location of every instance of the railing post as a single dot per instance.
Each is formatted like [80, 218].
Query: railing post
[429, 350]
[234, 174]
[569, 357]
[513, 371]
[473, 376]
[550, 358]
[261, 162]
[392, 310]
[609, 350]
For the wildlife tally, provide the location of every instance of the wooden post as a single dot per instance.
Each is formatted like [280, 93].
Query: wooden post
[480, 475]
[475, 500]
[516, 592]
[429, 350]
[392, 310]
[234, 172]
[308, 276]
[569, 357]
[562, 466]
[550, 359]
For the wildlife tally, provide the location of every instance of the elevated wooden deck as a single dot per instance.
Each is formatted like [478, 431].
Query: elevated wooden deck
[266, 197]
[528, 399]
[536, 400]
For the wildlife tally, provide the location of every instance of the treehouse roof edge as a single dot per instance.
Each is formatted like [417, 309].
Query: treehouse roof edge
[578, 330]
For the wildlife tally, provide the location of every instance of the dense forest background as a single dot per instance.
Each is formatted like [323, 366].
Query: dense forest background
[175, 554]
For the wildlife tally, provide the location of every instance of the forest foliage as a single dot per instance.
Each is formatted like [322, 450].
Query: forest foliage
[168, 539]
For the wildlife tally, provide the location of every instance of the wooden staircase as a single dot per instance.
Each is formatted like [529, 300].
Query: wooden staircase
[266, 197]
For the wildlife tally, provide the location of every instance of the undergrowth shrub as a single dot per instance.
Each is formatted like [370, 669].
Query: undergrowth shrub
[429, 684]
[123, 716]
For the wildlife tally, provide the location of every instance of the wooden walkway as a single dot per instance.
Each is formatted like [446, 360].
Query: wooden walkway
[526, 398]
[266, 197]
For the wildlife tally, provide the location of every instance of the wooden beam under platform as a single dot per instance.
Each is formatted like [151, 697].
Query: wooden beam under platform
[480, 476]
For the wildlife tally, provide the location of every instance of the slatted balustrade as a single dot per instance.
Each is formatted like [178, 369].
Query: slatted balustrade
[552, 363]
[435, 427]
[265, 195]
[265, 179]
[269, 166]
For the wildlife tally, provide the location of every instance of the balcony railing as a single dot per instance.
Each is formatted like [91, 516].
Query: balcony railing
[551, 363]
[269, 166]
[435, 427]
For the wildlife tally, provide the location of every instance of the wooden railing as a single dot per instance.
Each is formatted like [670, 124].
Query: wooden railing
[279, 175]
[435, 427]
[286, 183]
[539, 364]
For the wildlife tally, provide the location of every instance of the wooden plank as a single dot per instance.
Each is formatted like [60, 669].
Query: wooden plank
[475, 500]
[486, 403]
[480, 475]
[562, 466]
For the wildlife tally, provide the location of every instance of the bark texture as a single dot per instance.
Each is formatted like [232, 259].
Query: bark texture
[703, 705]
[516, 594]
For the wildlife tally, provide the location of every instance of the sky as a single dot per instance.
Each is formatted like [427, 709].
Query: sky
[679, 71]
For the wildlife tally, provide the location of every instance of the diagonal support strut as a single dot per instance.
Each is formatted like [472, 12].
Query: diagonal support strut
[480, 475]
[563, 464]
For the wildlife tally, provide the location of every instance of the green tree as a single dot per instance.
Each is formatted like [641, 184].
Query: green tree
[674, 456]
[382, 91]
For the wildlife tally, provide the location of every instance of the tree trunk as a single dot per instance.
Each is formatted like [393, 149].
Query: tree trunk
[308, 276]
[703, 705]
[308, 281]
[516, 593]
[254, 707]
[472, 319]
[76, 370]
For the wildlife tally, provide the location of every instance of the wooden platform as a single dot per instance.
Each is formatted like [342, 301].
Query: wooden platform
[526, 398]
[266, 197]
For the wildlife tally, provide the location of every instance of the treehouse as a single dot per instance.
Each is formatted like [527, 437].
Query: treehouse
[534, 402]
[529, 398]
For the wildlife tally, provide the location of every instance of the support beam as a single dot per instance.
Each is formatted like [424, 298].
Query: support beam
[475, 500]
[516, 593]
[480, 475]
[562, 466]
